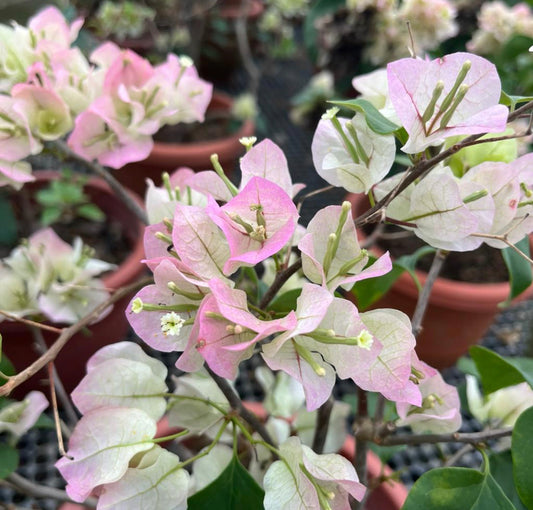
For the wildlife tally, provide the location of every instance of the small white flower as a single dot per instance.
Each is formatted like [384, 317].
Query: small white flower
[171, 324]
[365, 339]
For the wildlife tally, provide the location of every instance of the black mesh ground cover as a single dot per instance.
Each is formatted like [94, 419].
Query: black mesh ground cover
[510, 334]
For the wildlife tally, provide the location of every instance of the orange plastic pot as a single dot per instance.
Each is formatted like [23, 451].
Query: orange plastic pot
[166, 157]
[458, 313]
[70, 363]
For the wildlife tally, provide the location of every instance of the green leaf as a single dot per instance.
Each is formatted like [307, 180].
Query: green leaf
[522, 451]
[468, 366]
[9, 460]
[50, 215]
[8, 232]
[375, 120]
[234, 489]
[44, 422]
[47, 197]
[368, 291]
[501, 468]
[90, 212]
[520, 274]
[409, 262]
[286, 302]
[511, 101]
[456, 489]
[498, 372]
[6, 367]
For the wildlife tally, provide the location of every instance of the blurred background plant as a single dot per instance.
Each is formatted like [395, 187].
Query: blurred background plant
[350, 37]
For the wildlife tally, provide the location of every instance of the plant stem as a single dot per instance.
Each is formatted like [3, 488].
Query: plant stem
[35, 490]
[458, 454]
[243, 44]
[418, 170]
[30, 322]
[102, 172]
[322, 425]
[66, 335]
[56, 386]
[280, 279]
[473, 438]
[236, 403]
[423, 298]
[361, 444]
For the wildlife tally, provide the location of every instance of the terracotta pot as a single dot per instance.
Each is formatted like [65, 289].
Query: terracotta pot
[234, 9]
[166, 157]
[458, 314]
[17, 339]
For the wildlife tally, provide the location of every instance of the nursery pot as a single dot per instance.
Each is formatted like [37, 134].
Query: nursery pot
[70, 363]
[458, 313]
[167, 157]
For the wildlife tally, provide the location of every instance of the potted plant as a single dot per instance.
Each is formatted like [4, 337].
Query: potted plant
[236, 278]
[49, 91]
[218, 134]
[73, 207]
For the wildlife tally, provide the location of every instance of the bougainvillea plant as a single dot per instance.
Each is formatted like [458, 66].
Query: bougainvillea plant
[235, 277]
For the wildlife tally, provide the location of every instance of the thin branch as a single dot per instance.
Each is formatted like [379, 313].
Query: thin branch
[503, 239]
[473, 438]
[36, 490]
[458, 454]
[380, 408]
[29, 322]
[303, 198]
[66, 335]
[323, 416]
[102, 172]
[361, 428]
[423, 298]
[418, 170]
[55, 385]
[57, 421]
[243, 44]
[280, 279]
[236, 403]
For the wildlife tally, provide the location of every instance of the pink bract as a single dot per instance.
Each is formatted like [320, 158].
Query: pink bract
[411, 85]
[259, 197]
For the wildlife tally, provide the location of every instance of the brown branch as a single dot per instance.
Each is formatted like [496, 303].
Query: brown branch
[323, 416]
[29, 322]
[280, 279]
[361, 427]
[66, 335]
[102, 172]
[423, 298]
[236, 403]
[473, 438]
[55, 386]
[34, 490]
[503, 239]
[418, 170]
[57, 421]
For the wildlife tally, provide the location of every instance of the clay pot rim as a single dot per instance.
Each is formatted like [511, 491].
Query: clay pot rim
[254, 9]
[473, 296]
[131, 266]
[221, 101]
